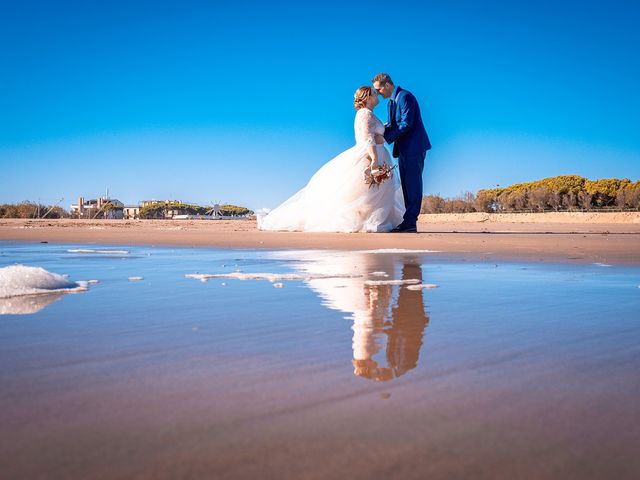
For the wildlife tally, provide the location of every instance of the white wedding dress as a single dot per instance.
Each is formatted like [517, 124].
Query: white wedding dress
[337, 199]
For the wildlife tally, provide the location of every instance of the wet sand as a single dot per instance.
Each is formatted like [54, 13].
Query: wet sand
[512, 370]
[615, 243]
[505, 371]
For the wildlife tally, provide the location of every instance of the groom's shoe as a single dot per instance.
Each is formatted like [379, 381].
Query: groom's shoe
[405, 229]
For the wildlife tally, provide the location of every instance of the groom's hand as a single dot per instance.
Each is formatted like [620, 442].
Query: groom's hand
[379, 139]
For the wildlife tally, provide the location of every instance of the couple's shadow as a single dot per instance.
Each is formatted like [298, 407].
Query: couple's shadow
[389, 321]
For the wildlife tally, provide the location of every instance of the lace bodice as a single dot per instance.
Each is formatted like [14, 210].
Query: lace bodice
[366, 126]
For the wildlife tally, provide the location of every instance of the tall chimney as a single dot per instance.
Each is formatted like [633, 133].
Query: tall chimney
[80, 206]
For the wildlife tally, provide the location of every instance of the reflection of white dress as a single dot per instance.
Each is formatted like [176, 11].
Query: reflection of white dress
[337, 199]
[388, 320]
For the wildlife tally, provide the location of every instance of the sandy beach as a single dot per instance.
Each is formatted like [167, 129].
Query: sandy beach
[607, 238]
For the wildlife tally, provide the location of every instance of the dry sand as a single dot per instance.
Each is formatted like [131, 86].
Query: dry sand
[617, 241]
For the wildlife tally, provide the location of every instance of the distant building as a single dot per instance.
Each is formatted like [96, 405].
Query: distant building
[101, 207]
[131, 212]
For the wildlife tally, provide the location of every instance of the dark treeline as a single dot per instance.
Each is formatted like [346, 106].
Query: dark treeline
[28, 209]
[31, 210]
[162, 209]
[563, 193]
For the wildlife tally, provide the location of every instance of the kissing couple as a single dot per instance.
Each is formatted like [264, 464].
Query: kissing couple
[357, 191]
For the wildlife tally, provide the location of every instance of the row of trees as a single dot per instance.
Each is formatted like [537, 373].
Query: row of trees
[163, 209]
[31, 210]
[234, 210]
[28, 209]
[563, 193]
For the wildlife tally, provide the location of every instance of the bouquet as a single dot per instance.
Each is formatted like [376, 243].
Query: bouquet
[378, 176]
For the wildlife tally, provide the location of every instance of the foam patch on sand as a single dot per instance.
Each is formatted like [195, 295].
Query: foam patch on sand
[379, 274]
[409, 281]
[18, 280]
[271, 277]
[315, 254]
[88, 250]
[397, 250]
[421, 286]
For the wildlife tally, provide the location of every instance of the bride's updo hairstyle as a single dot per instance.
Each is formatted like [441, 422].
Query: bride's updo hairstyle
[361, 96]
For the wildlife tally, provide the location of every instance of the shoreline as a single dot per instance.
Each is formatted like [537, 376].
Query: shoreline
[538, 242]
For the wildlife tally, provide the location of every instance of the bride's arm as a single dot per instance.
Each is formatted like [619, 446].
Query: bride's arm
[373, 155]
[369, 134]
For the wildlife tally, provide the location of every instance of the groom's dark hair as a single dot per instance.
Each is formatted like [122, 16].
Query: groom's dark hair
[382, 78]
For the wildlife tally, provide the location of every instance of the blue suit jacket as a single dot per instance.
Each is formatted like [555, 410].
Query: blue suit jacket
[405, 128]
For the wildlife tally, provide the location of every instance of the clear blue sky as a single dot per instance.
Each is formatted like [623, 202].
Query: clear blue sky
[241, 102]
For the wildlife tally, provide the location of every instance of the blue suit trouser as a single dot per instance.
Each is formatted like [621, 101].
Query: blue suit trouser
[411, 167]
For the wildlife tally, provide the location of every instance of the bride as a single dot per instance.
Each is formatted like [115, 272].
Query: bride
[337, 198]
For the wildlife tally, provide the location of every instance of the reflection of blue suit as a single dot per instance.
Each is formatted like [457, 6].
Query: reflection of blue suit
[410, 143]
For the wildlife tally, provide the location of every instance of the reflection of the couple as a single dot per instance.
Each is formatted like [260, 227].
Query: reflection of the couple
[388, 320]
[400, 333]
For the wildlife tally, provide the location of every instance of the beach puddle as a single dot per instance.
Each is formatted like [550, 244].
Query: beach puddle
[279, 356]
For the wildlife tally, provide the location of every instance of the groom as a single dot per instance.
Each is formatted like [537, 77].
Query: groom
[405, 130]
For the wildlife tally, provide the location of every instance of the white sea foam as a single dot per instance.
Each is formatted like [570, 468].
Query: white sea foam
[421, 286]
[319, 254]
[598, 264]
[17, 280]
[379, 274]
[136, 279]
[271, 277]
[396, 250]
[88, 250]
[409, 281]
